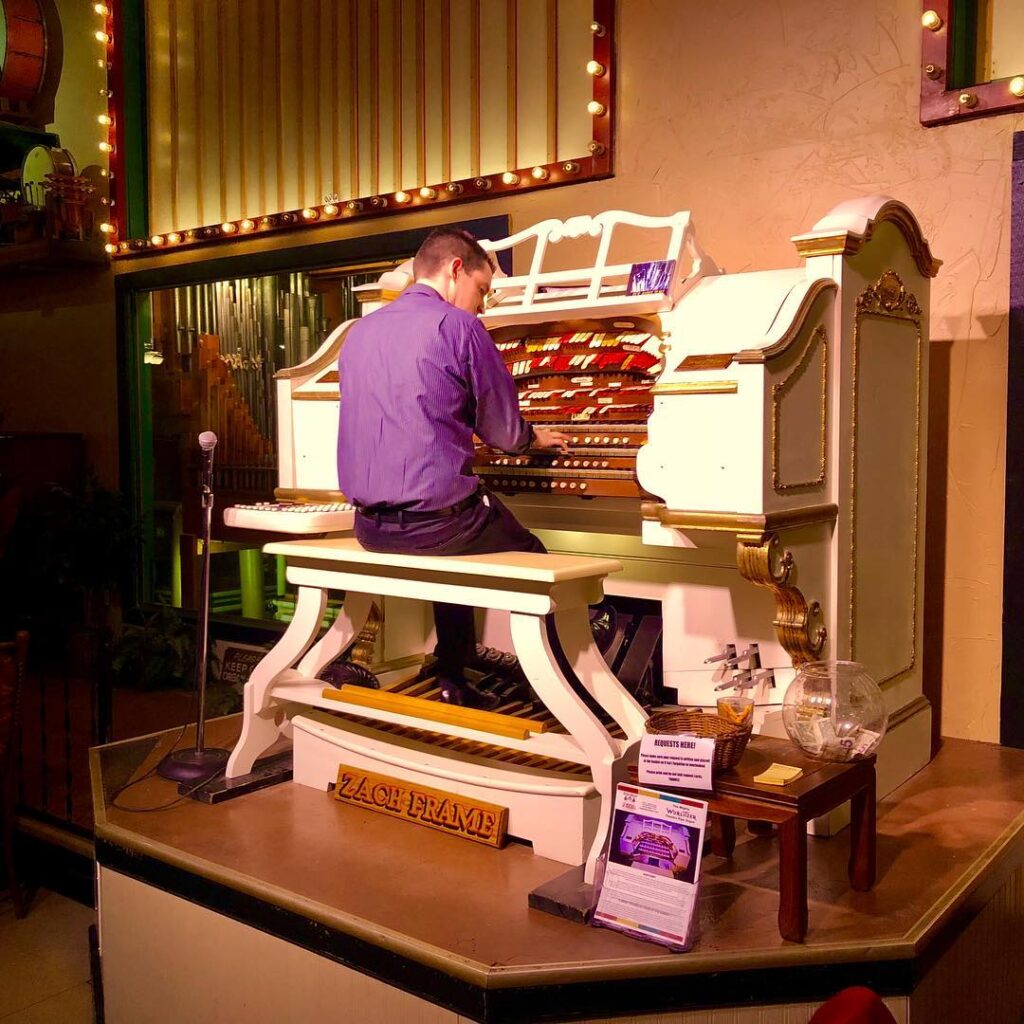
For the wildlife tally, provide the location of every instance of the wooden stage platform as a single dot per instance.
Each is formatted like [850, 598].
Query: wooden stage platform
[285, 905]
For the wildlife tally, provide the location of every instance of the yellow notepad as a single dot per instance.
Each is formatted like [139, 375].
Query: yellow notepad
[779, 775]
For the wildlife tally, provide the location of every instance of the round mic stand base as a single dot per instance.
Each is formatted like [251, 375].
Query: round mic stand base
[193, 765]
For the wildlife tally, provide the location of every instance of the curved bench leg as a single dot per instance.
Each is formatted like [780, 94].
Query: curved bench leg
[345, 628]
[600, 754]
[577, 640]
[259, 730]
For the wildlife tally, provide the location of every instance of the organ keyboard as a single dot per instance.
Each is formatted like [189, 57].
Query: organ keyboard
[291, 517]
[594, 384]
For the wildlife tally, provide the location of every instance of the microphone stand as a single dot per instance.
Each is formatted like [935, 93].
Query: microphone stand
[200, 763]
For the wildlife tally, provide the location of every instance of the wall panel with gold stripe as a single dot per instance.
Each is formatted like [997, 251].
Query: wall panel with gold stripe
[261, 106]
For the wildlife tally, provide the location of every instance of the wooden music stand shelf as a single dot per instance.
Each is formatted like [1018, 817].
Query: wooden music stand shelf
[823, 787]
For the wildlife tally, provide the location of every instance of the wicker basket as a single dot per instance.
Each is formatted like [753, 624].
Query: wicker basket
[730, 740]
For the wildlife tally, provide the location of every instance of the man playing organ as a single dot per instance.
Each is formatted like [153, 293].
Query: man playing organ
[418, 378]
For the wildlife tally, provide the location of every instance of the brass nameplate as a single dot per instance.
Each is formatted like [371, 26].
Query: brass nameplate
[435, 808]
[707, 362]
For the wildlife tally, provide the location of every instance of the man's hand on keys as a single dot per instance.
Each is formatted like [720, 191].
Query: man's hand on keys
[543, 437]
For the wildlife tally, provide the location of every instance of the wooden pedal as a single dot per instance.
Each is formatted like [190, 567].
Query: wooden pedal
[434, 711]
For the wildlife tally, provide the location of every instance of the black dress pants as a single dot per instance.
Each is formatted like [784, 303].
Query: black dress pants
[485, 528]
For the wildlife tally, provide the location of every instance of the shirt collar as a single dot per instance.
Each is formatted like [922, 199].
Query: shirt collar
[422, 289]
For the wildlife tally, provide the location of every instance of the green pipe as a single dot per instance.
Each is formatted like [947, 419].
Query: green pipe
[250, 568]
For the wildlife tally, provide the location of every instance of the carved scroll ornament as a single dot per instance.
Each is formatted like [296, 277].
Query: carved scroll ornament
[765, 563]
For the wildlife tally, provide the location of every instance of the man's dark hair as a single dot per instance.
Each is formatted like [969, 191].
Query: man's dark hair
[443, 244]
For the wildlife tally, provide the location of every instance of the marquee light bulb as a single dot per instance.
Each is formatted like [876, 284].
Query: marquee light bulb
[101, 9]
[1017, 85]
[157, 239]
[102, 37]
[597, 28]
[330, 210]
[454, 188]
[354, 206]
[595, 68]
[931, 20]
[105, 119]
[428, 193]
[571, 167]
[309, 213]
[540, 173]
[106, 147]
[402, 197]
[510, 178]
[246, 224]
[173, 238]
[229, 227]
[107, 228]
[110, 248]
[597, 108]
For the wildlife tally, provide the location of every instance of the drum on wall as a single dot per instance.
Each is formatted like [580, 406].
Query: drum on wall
[31, 55]
[39, 162]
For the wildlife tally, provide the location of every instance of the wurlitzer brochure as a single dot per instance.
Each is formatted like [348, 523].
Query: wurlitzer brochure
[652, 876]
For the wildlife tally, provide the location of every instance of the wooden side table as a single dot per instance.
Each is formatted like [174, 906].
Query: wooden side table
[822, 788]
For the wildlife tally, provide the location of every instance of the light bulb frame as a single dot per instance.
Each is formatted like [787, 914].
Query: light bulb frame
[941, 88]
[595, 163]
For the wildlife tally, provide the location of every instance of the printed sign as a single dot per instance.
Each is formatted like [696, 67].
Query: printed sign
[435, 808]
[645, 278]
[237, 661]
[651, 879]
[669, 760]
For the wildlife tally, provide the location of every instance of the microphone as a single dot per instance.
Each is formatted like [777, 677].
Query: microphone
[195, 768]
[207, 442]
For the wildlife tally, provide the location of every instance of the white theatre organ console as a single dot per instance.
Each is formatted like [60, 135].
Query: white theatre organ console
[751, 447]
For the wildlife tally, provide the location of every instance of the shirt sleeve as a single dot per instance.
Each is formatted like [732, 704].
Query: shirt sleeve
[498, 421]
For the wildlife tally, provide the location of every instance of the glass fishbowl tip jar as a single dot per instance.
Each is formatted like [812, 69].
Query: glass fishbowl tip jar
[834, 711]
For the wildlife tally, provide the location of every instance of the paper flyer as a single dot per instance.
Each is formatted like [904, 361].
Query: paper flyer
[651, 880]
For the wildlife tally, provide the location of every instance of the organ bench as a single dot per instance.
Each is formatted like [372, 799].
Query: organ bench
[559, 791]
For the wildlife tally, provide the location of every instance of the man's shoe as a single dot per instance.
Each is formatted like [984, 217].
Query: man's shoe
[467, 695]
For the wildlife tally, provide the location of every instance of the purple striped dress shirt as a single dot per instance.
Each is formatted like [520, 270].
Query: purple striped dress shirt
[418, 378]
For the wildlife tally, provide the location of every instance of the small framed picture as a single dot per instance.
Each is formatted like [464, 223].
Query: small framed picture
[645, 278]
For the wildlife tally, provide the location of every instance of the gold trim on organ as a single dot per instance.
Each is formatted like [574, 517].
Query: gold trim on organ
[849, 244]
[798, 624]
[696, 387]
[888, 299]
[819, 337]
[748, 528]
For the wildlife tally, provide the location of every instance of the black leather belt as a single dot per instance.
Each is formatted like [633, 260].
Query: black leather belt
[396, 514]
